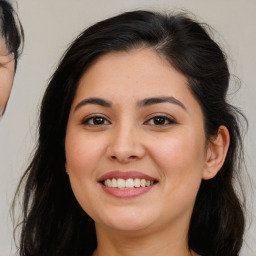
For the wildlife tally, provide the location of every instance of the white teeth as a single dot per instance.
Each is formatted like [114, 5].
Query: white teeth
[120, 183]
[114, 183]
[143, 183]
[136, 183]
[129, 183]
[108, 183]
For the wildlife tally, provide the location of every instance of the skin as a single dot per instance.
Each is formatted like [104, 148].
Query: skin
[174, 152]
[7, 71]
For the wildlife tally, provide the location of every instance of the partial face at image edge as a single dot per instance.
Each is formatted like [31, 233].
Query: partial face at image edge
[7, 71]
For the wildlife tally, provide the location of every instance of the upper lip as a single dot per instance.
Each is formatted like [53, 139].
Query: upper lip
[125, 175]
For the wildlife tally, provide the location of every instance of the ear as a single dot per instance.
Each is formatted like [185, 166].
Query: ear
[216, 153]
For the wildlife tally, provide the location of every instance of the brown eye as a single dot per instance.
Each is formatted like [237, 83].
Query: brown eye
[160, 120]
[96, 120]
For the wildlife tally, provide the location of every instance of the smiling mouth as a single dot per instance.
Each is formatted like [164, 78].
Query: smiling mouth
[129, 183]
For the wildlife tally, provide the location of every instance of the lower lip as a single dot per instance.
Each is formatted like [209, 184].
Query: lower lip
[126, 193]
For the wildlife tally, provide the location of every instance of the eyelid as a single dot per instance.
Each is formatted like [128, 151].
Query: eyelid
[91, 116]
[166, 116]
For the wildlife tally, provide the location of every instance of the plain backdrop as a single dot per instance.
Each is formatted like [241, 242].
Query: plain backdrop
[50, 25]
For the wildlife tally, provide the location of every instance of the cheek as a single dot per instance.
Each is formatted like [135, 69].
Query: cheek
[180, 157]
[181, 161]
[6, 81]
[82, 153]
[82, 157]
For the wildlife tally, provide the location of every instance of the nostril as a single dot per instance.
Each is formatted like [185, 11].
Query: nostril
[120, 158]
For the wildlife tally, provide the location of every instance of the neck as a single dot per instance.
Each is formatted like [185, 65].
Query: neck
[137, 243]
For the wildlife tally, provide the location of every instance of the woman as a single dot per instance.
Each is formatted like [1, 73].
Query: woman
[137, 146]
[11, 41]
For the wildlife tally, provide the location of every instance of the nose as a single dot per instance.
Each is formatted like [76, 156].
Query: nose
[125, 145]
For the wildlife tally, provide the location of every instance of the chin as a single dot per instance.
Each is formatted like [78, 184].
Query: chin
[127, 221]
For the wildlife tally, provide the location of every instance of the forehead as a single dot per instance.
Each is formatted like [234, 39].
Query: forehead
[141, 67]
[132, 76]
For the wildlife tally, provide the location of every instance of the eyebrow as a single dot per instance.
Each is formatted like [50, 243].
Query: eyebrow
[95, 101]
[142, 103]
[157, 100]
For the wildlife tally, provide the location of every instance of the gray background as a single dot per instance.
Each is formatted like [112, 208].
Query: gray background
[51, 24]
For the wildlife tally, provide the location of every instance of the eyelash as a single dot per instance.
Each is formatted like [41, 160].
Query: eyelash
[104, 121]
[94, 118]
[167, 120]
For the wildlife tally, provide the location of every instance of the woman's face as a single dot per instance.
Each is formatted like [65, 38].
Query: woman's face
[135, 143]
[7, 70]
